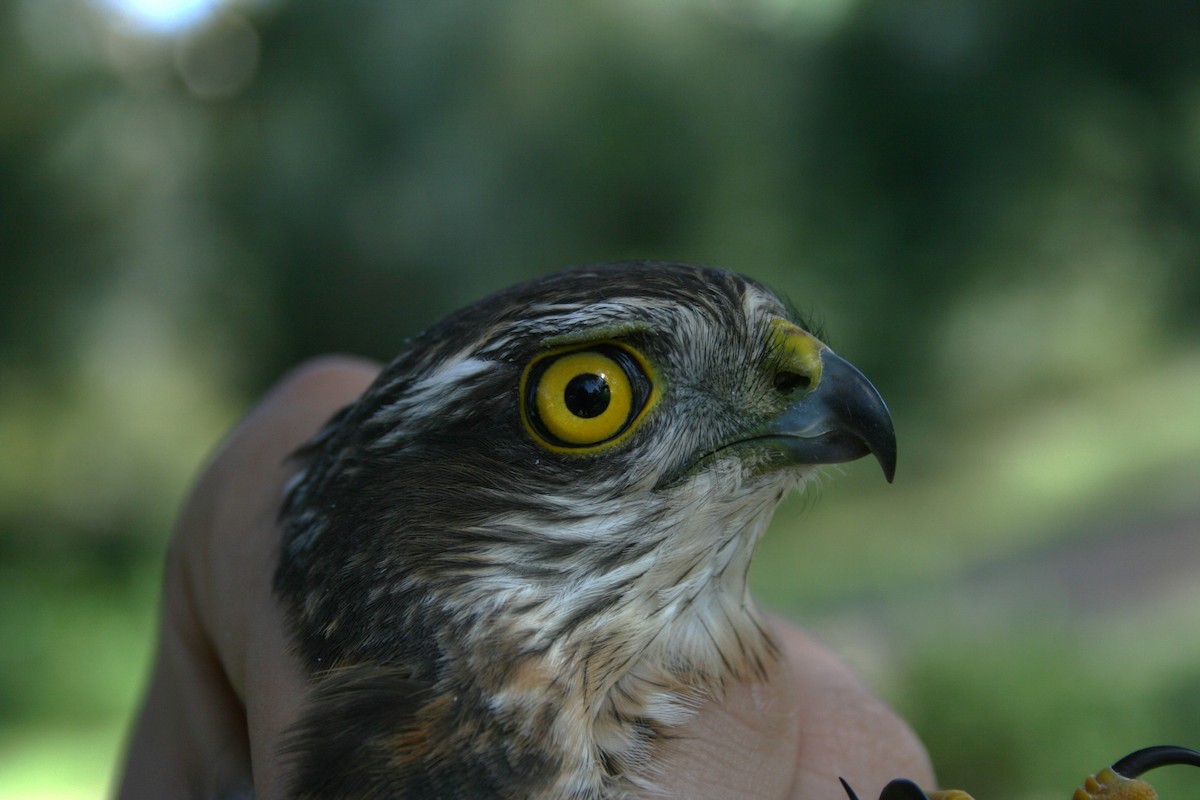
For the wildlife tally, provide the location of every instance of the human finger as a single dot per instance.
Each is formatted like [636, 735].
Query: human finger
[225, 686]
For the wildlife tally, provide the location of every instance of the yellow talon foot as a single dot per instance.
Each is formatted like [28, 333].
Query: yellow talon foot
[1108, 785]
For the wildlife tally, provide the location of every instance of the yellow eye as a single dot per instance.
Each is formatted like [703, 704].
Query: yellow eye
[579, 399]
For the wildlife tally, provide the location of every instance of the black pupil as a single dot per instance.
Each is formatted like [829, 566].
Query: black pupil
[587, 395]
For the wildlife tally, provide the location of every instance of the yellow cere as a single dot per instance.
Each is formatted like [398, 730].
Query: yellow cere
[561, 421]
[800, 350]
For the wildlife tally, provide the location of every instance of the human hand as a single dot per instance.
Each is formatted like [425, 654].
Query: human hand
[226, 687]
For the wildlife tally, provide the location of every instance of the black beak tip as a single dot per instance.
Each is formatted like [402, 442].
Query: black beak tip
[886, 456]
[880, 440]
[889, 468]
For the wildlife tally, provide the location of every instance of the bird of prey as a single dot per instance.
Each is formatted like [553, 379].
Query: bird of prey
[520, 558]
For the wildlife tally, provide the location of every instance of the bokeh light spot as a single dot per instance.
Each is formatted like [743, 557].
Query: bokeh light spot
[163, 16]
[221, 60]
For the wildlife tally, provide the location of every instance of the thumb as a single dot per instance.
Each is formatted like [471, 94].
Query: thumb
[794, 734]
[744, 745]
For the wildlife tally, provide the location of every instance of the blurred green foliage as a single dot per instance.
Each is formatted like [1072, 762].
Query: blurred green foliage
[993, 206]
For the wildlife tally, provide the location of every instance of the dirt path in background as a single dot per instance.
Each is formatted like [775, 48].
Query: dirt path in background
[1127, 563]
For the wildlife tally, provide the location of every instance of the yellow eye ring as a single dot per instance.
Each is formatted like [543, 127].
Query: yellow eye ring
[584, 398]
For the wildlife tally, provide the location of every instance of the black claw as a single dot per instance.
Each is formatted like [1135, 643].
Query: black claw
[1148, 758]
[901, 789]
[1131, 766]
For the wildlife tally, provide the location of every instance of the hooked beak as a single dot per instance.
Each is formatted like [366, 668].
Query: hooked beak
[840, 418]
[833, 413]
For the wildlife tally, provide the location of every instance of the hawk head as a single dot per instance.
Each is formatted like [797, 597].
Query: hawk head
[520, 557]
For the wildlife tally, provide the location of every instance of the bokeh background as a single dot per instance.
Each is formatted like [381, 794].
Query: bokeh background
[992, 205]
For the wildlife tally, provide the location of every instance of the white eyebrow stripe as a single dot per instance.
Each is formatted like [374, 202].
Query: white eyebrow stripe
[439, 389]
[566, 324]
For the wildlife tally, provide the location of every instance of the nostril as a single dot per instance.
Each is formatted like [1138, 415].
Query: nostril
[789, 382]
